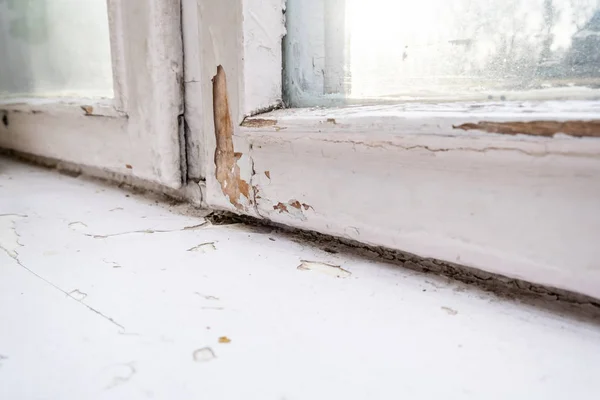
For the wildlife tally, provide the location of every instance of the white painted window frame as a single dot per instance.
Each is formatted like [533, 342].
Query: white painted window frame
[137, 134]
[486, 185]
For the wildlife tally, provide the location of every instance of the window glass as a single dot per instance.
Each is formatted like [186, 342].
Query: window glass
[55, 48]
[361, 51]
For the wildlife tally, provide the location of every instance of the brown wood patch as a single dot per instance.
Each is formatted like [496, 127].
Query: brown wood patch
[537, 128]
[227, 171]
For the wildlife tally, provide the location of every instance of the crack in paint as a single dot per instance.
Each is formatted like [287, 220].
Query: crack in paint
[148, 231]
[15, 256]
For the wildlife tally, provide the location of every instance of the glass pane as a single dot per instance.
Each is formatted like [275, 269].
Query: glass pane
[55, 48]
[360, 51]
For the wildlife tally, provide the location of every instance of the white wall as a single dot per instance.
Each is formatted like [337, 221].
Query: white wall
[55, 48]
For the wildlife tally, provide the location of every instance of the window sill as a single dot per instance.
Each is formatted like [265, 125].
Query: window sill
[412, 178]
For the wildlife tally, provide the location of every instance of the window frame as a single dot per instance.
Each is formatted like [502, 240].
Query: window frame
[137, 134]
[494, 186]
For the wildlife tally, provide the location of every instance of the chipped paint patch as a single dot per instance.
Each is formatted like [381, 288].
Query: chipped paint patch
[294, 208]
[227, 171]
[280, 207]
[204, 248]
[204, 355]
[89, 110]
[537, 128]
[258, 122]
[268, 174]
[324, 268]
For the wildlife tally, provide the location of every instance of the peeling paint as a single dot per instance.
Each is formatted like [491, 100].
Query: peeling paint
[258, 122]
[204, 248]
[294, 208]
[280, 207]
[328, 269]
[227, 171]
[537, 128]
[307, 206]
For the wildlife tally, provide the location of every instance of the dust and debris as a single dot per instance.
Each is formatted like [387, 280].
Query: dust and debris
[77, 294]
[204, 355]
[331, 121]
[5, 119]
[116, 209]
[203, 248]
[325, 268]
[224, 339]
[128, 166]
[450, 311]
[227, 171]
[537, 128]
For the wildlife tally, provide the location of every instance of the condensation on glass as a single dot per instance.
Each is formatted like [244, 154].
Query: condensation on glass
[363, 51]
[51, 48]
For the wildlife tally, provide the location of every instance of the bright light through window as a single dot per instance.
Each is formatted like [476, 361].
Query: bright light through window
[359, 51]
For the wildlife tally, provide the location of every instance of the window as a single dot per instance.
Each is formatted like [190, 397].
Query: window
[96, 83]
[393, 142]
[465, 130]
